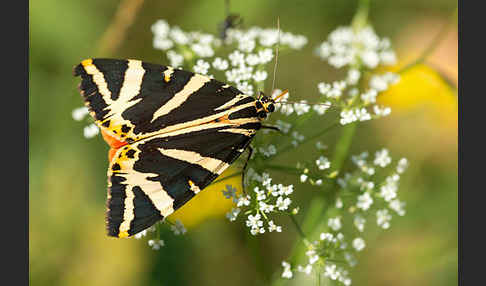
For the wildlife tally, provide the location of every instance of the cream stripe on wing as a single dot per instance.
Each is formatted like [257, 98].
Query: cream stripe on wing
[210, 125]
[205, 123]
[208, 163]
[153, 189]
[194, 84]
[221, 168]
[232, 102]
[131, 85]
[159, 197]
[246, 132]
[98, 78]
[130, 88]
[128, 212]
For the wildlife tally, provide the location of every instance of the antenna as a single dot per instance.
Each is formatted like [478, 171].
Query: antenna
[292, 102]
[283, 93]
[276, 54]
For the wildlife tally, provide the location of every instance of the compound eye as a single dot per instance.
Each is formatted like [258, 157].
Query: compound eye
[258, 105]
[262, 114]
[271, 107]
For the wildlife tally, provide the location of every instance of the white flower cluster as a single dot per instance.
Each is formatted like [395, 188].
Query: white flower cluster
[178, 228]
[359, 192]
[329, 244]
[283, 126]
[247, 40]
[244, 66]
[297, 138]
[379, 83]
[369, 192]
[268, 151]
[359, 51]
[90, 130]
[334, 223]
[358, 111]
[156, 244]
[321, 171]
[144, 232]
[333, 90]
[287, 273]
[174, 39]
[323, 163]
[352, 115]
[79, 113]
[347, 47]
[382, 158]
[264, 199]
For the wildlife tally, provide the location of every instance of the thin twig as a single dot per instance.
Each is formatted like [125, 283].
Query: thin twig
[115, 33]
[434, 44]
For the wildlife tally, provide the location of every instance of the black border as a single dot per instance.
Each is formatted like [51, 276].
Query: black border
[15, 149]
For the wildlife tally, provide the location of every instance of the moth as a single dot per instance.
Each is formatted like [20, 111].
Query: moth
[171, 132]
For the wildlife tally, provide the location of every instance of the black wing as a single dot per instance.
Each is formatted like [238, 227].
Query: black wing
[150, 179]
[131, 100]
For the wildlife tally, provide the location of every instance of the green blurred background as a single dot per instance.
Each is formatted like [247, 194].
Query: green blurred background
[67, 172]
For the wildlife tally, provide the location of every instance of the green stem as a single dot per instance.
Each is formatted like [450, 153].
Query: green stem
[360, 19]
[320, 205]
[311, 219]
[322, 132]
[258, 258]
[308, 139]
[342, 146]
[299, 230]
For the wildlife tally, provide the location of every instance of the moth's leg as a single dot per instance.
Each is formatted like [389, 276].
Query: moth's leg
[271, 127]
[250, 152]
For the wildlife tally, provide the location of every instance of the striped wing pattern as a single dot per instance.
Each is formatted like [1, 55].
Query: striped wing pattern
[178, 131]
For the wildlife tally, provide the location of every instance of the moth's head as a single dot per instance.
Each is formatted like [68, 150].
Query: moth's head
[264, 105]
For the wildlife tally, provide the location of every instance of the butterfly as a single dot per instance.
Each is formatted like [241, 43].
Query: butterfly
[171, 132]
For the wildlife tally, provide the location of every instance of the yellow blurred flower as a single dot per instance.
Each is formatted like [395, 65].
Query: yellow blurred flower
[424, 117]
[210, 202]
[424, 86]
[424, 103]
[421, 87]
